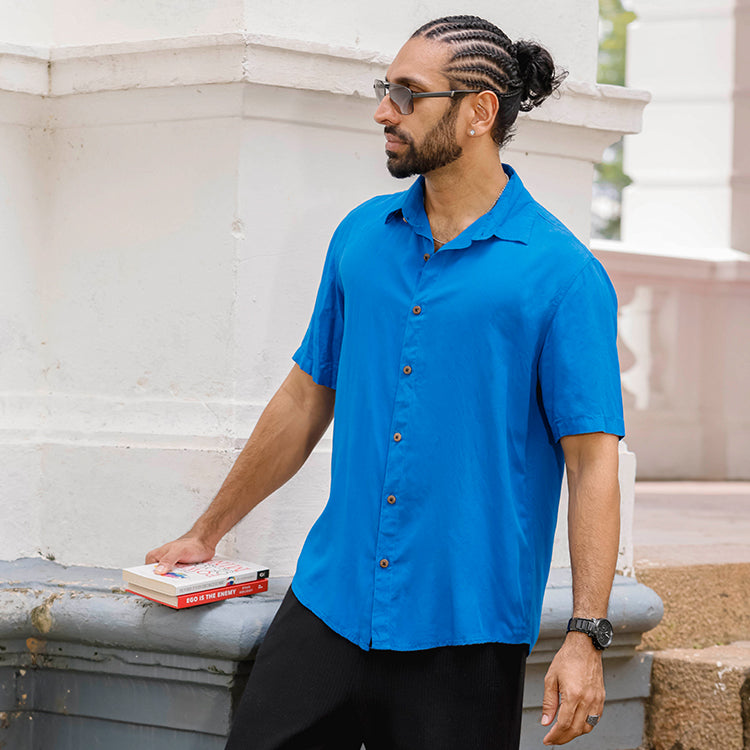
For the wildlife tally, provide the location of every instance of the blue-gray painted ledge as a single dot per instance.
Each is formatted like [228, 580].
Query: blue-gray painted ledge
[83, 664]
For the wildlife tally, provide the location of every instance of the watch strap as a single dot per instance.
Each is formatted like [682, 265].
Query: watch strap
[590, 627]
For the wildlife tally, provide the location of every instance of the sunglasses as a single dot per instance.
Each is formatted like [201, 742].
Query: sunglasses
[403, 98]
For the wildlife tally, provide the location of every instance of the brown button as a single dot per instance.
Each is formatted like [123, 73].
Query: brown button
[391, 499]
[407, 369]
[426, 257]
[416, 309]
[397, 437]
[384, 563]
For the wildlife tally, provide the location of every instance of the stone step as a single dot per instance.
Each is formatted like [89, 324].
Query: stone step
[692, 547]
[704, 605]
[700, 699]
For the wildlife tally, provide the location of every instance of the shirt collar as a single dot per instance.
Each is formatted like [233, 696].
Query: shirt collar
[511, 218]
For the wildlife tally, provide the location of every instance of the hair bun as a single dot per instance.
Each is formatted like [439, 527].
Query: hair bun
[537, 71]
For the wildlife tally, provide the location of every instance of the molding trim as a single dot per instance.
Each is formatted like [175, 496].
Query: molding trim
[703, 265]
[54, 73]
[81, 420]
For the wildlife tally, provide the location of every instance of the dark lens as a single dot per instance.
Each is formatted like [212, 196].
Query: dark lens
[379, 87]
[401, 97]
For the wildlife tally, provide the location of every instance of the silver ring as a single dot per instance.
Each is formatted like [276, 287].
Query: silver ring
[592, 720]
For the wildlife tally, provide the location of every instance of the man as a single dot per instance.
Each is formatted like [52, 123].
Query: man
[467, 340]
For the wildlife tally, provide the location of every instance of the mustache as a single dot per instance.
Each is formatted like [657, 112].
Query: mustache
[393, 130]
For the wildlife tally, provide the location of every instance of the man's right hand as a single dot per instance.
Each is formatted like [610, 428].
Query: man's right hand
[186, 549]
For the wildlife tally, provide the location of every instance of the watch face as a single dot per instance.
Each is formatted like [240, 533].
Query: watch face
[603, 633]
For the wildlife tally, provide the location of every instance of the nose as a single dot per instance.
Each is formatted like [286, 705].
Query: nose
[386, 113]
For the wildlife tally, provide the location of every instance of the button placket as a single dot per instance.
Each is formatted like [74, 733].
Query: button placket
[393, 504]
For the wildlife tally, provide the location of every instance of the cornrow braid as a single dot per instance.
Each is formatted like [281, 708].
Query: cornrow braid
[521, 74]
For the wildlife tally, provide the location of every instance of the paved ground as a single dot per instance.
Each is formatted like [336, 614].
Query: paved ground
[691, 523]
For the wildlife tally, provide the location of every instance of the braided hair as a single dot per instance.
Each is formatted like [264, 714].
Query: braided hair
[521, 74]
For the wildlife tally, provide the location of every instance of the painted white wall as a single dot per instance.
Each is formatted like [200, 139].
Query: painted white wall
[691, 166]
[568, 29]
[168, 185]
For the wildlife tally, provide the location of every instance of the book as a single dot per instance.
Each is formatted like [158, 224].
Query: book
[200, 597]
[219, 572]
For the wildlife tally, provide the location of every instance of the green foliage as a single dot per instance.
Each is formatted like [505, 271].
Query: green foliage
[613, 23]
[610, 178]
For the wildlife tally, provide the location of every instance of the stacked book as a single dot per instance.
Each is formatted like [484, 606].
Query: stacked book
[200, 583]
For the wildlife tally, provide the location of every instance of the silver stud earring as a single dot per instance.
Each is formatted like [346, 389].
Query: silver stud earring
[472, 132]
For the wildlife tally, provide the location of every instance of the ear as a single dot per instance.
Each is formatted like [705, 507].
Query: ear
[484, 111]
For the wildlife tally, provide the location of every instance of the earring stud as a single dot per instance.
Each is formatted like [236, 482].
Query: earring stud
[472, 132]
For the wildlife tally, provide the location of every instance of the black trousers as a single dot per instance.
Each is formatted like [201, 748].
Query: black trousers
[311, 689]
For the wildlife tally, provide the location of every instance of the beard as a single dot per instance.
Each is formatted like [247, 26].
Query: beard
[438, 148]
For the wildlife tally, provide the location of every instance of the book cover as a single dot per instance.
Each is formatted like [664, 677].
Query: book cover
[201, 597]
[218, 572]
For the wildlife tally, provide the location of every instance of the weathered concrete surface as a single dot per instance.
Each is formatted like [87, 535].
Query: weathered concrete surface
[700, 699]
[704, 605]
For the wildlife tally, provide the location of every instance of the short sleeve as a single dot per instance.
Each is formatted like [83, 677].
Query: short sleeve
[318, 355]
[579, 371]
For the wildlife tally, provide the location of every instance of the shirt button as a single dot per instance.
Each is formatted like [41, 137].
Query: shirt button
[426, 257]
[397, 437]
[391, 499]
[407, 369]
[384, 563]
[416, 309]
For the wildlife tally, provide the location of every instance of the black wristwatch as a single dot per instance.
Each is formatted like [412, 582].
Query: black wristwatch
[600, 631]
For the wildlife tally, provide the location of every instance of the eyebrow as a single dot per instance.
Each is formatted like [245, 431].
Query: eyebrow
[409, 82]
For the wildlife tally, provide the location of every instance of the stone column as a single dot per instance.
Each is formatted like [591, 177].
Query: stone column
[171, 176]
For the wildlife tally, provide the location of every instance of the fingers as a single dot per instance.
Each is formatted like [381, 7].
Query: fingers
[166, 563]
[570, 724]
[162, 556]
[184, 550]
[551, 699]
[153, 556]
[571, 720]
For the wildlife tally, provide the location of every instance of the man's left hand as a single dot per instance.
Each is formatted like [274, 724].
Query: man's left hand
[573, 689]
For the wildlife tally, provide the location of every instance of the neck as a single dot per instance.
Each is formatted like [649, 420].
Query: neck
[458, 194]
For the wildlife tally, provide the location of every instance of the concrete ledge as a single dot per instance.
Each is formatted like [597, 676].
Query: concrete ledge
[84, 664]
[81, 659]
[42, 600]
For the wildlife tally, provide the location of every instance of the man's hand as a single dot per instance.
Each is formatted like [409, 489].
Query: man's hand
[574, 684]
[186, 549]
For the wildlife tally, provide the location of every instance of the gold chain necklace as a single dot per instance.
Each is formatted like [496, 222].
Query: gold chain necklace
[439, 243]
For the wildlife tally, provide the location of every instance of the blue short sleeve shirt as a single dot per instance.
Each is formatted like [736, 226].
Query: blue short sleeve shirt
[456, 374]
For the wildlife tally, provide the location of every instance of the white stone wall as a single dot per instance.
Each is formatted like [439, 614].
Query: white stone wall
[692, 165]
[169, 177]
[568, 30]
[683, 271]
